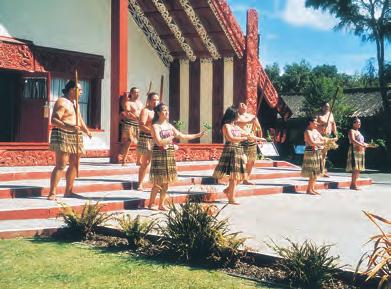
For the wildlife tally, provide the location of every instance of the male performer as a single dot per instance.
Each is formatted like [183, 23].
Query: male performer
[144, 145]
[129, 117]
[251, 125]
[326, 126]
[63, 139]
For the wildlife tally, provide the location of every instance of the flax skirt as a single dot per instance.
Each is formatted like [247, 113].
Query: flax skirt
[66, 141]
[163, 165]
[250, 150]
[129, 130]
[356, 159]
[232, 163]
[144, 144]
[312, 164]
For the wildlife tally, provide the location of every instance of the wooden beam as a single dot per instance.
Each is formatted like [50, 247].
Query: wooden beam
[190, 35]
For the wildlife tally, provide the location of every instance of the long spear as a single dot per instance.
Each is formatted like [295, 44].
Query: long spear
[77, 122]
[161, 87]
[332, 105]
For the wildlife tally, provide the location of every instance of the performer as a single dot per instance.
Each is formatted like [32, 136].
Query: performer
[163, 165]
[249, 123]
[356, 153]
[144, 145]
[312, 160]
[232, 162]
[326, 126]
[63, 139]
[129, 117]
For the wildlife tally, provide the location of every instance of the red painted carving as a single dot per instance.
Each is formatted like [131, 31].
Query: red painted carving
[12, 158]
[17, 56]
[251, 59]
[227, 18]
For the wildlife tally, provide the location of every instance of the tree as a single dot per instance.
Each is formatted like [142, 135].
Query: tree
[369, 19]
[273, 72]
[296, 77]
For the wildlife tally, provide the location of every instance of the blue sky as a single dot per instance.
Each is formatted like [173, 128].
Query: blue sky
[290, 32]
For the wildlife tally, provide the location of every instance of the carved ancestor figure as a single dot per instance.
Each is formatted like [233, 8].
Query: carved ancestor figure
[129, 116]
[66, 138]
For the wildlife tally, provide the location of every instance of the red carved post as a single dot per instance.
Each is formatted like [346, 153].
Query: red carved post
[119, 67]
[251, 60]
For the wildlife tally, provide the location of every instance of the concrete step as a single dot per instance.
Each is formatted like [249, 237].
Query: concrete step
[102, 167]
[40, 187]
[40, 208]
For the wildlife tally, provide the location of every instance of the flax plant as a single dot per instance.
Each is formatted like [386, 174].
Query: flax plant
[379, 259]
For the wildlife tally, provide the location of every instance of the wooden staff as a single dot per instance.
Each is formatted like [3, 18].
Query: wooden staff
[161, 87]
[332, 106]
[77, 122]
[149, 88]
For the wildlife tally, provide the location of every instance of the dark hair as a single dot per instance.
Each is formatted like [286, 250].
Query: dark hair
[355, 119]
[323, 103]
[309, 120]
[231, 113]
[70, 84]
[150, 95]
[156, 110]
[133, 89]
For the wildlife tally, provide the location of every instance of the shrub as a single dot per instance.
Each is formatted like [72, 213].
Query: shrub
[82, 225]
[379, 259]
[136, 230]
[193, 233]
[307, 265]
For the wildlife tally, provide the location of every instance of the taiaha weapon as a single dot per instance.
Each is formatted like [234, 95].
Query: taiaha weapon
[77, 121]
[332, 105]
[161, 87]
[149, 88]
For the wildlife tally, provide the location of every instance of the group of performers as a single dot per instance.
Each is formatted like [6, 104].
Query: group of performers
[148, 127]
[317, 138]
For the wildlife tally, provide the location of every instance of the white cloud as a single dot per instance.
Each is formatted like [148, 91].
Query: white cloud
[297, 14]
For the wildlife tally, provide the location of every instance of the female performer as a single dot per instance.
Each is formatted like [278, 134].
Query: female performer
[233, 161]
[163, 165]
[312, 161]
[356, 153]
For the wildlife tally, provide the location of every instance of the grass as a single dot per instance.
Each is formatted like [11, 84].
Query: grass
[37, 263]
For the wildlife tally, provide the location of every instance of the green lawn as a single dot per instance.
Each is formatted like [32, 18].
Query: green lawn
[30, 263]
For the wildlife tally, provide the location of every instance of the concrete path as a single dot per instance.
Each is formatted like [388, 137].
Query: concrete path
[334, 217]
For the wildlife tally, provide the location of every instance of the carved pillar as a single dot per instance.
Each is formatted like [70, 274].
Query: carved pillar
[251, 60]
[119, 67]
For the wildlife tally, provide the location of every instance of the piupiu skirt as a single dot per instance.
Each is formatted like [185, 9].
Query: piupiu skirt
[312, 163]
[66, 141]
[250, 150]
[129, 130]
[232, 163]
[163, 165]
[144, 144]
[356, 159]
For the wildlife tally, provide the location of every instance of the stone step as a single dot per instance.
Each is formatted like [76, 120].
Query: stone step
[40, 208]
[90, 168]
[40, 187]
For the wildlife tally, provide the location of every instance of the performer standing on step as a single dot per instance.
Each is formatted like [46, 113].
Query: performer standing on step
[163, 165]
[63, 138]
[232, 162]
[250, 124]
[326, 126]
[356, 153]
[129, 117]
[144, 145]
[312, 160]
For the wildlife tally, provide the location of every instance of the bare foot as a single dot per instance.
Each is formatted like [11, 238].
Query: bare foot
[246, 182]
[140, 188]
[316, 192]
[233, 202]
[70, 195]
[312, 193]
[354, 187]
[52, 197]
[326, 175]
[162, 208]
[153, 208]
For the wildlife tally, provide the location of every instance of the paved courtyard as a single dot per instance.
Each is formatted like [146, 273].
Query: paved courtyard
[334, 217]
